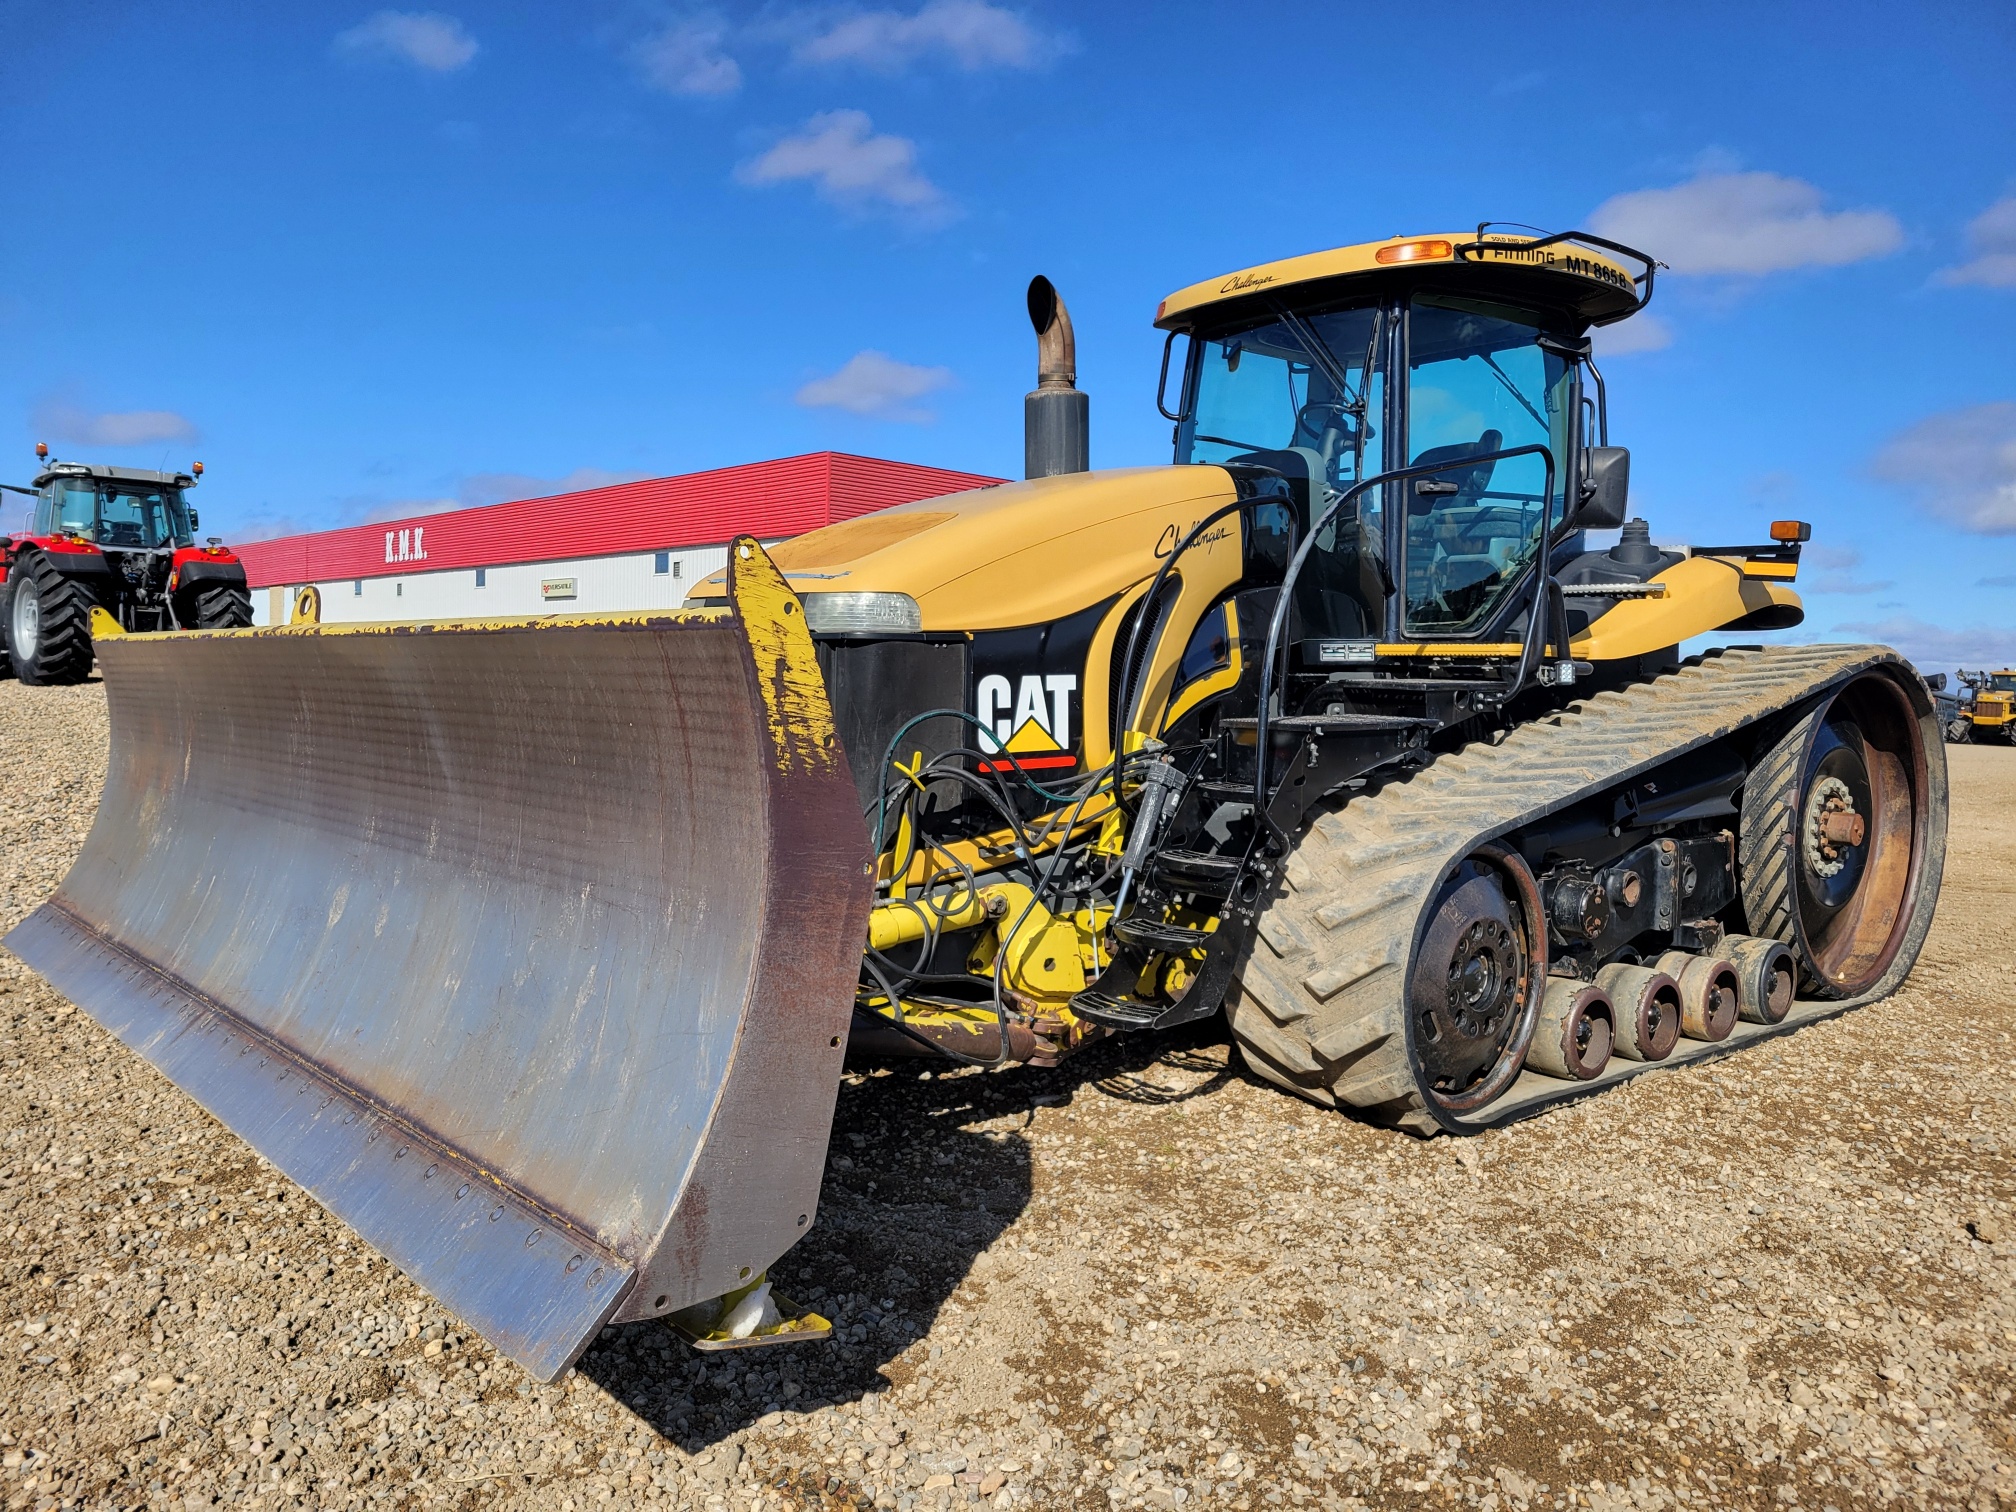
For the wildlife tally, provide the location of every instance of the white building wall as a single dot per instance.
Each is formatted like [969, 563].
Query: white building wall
[600, 585]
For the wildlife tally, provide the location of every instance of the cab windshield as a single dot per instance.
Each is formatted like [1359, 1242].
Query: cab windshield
[2003, 682]
[1293, 395]
[1303, 394]
[121, 514]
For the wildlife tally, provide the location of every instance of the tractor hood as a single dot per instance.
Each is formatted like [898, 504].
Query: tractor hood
[1013, 554]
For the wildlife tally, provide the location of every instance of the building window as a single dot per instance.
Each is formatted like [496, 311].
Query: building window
[357, 588]
[482, 577]
[675, 569]
[398, 590]
[662, 563]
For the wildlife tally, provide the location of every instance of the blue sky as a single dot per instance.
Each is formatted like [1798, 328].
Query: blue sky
[365, 261]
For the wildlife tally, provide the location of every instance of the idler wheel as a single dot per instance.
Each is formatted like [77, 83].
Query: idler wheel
[1766, 978]
[1646, 1002]
[1474, 988]
[1711, 994]
[1576, 1029]
[1837, 832]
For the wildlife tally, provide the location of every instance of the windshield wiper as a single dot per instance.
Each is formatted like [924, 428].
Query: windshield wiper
[1513, 389]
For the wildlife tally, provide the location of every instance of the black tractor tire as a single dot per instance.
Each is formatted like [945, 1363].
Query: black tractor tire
[1854, 915]
[1959, 731]
[48, 624]
[220, 606]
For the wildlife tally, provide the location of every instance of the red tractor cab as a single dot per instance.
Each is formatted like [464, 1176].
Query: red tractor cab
[121, 539]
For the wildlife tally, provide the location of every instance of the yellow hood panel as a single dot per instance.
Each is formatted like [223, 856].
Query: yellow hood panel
[1017, 553]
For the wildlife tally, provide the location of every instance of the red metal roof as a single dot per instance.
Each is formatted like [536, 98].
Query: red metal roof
[786, 497]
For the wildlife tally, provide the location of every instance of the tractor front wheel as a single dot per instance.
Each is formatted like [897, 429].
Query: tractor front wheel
[48, 624]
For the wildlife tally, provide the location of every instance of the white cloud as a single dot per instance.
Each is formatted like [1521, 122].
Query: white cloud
[1744, 224]
[1932, 646]
[408, 509]
[876, 384]
[686, 58]
[479, 489]
[425, 39]
[1641, 333]
[850, 165]
[1991, 236]
[81, 427]
[1832, 570]
[1960, 466]
[501, 488]
[971, 33]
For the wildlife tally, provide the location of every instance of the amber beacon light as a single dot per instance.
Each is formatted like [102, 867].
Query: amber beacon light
[1414, 251]
[1791, 530]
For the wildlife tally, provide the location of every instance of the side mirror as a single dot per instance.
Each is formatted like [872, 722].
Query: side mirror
[1606, 488]
[195, 522]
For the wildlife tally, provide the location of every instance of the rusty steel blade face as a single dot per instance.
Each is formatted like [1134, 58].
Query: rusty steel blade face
[529, 950]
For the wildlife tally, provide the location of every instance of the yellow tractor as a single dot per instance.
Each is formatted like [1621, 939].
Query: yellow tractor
[534, 947]
[1989, 712]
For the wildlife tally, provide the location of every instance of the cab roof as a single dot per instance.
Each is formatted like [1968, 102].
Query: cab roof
[1562, 273]
[112, 474]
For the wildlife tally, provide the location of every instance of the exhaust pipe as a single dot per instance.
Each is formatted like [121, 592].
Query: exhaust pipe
[1056, 418]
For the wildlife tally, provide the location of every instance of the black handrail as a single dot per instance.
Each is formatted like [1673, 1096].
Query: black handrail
[1527, 651]
[1652, 264]
[1162, 384]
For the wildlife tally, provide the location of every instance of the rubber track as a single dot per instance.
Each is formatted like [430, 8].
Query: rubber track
[1319, 1007]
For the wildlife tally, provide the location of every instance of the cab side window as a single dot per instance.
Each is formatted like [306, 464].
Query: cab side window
[45, 511]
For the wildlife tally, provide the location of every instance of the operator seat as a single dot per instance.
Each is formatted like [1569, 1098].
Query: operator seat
[1438, 564]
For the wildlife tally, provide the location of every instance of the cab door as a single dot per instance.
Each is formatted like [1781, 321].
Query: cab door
[1479, 381]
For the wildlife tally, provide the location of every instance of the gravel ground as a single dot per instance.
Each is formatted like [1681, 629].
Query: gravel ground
[1142, 1280]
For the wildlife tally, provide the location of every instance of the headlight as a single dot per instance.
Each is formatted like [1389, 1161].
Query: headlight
[875, 613]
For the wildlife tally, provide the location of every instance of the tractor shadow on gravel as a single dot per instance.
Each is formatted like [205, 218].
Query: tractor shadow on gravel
[926, 1170]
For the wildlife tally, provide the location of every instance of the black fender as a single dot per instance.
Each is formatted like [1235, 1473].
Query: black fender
[192, 573]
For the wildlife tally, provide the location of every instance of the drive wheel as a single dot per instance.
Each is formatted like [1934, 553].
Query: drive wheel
[1843, 838]
[48, 624]
[221, 606]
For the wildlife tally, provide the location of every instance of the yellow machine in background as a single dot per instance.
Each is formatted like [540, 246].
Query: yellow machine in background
[534, 947]
[1990, 714]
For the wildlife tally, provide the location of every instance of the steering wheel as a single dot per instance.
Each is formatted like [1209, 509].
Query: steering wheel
[1319, 415]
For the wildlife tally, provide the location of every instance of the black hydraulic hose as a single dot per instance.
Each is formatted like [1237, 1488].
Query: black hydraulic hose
[1278, 622]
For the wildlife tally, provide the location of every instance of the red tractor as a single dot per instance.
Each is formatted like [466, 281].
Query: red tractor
[119, 539]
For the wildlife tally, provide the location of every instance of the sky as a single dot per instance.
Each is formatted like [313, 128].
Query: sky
[369, 262]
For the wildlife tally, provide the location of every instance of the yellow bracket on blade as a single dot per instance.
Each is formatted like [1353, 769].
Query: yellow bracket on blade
[802, 736]
[702, 1323]
[103, 626]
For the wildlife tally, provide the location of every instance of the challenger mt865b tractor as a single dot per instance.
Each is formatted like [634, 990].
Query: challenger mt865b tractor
[119, 539]
[534, 947]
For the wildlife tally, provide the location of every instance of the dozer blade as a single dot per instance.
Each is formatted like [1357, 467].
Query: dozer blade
[529, 948]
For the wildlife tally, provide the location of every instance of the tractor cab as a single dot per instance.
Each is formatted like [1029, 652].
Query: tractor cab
[1461, 358]
[115, 508]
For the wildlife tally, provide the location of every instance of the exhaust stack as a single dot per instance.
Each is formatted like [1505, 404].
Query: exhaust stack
[1056, 418]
